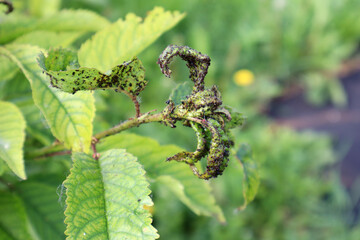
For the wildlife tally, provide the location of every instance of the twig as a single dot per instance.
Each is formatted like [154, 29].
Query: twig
[66, 152]
[145, 118]
[58, 148]
[53, 150]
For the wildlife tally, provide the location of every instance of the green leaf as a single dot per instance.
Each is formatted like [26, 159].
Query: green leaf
[12, 137]
[251, 179]
[8, 69]
[36, 126]
[193, 192]
[65, 73]
[14, 224]
[48, 39]
[179, 93]
[3, 167]
[41, 8]
[43, 208]
[106, 198]
[14, 26]
[125, 38]
[69, 116]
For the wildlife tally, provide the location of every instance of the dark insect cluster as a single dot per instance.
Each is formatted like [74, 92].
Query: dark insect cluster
[202, 110]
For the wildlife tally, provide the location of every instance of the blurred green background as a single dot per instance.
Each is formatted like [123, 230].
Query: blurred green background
[262, 52]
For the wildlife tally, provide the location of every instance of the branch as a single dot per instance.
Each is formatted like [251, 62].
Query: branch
[58, 148]
[146, 118]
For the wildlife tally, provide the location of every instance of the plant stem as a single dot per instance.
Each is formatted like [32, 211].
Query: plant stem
[47, 151]
[135, 101]
[58, 148]
[137, 106]
[146, 118]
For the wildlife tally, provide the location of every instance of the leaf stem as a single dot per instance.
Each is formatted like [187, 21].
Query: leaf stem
[135, 101]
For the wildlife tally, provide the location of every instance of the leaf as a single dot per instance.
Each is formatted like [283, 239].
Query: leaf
[251, 179]
[106, 198]
[193, 192]
[179, 93]
[48, 39]
[3, 167]
[43, 207]
[69, 116]
[124, 39]
[65, 73]
[14, 223]
[43, 7]
[12, 137]
[14, 26]
[36, 126]
[8, 69]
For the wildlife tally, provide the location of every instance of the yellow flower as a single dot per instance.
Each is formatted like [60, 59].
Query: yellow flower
[243, 77]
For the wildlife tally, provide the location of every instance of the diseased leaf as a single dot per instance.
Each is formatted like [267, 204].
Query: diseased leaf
[12, 137]
[62, 66]
[192, 191]
[69, 116]
[43, 208]
[48, 39]
[106, 198]
[14, 224]
[251, 179]
[14, 26]
[125, 38]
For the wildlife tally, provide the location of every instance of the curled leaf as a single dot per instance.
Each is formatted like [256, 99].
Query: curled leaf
[197, 63]
[203, 111]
